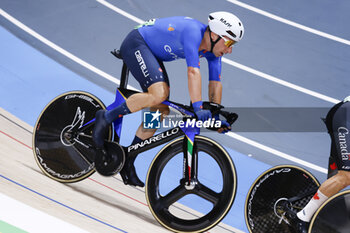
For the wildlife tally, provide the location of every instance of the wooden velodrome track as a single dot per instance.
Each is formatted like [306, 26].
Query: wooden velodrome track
[96, 204]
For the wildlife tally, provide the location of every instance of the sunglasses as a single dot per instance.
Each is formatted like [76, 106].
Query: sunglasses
[228, 43]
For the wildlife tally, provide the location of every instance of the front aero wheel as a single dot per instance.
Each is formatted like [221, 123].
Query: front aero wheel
[179, 208]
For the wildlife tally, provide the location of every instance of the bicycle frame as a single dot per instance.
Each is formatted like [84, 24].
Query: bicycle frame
[301, 196]
[190, 158]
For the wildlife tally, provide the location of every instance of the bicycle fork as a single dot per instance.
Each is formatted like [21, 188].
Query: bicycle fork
[190, 165]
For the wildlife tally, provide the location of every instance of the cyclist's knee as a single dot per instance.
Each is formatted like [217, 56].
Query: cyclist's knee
[158, 92]
[343, 177]
[346, 175]
[164, 109]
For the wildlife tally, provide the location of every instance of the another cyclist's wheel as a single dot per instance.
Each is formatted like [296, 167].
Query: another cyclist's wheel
[333, 216]
[184, 209]
[262, 211]
[62, 153]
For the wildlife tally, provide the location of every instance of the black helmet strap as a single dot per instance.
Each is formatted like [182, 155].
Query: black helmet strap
[213, 43]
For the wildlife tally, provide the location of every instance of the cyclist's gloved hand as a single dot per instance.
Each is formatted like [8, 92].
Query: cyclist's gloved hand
[225, 126]
[201, 113]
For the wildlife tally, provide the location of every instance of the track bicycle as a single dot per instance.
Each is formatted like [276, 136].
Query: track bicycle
[188, 166]
[289, 188]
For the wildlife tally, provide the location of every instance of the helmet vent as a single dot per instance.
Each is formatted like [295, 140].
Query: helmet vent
[239, 23]
[241, 34]
[211, 17]
[232, 34]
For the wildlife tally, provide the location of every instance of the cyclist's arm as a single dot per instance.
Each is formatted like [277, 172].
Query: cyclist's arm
[215, 91]
[194, 83]
[215, 86]
[192, 38]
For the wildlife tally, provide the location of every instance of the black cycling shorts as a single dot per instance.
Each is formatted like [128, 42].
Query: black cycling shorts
[338, 125]
[144, 66]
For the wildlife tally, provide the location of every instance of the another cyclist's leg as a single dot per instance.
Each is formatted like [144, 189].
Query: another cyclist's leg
[338, 128]
[329, 188]
[336, 183]
[319, 197]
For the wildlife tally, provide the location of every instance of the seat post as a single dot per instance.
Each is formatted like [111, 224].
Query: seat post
[125, 70]
[124, 77]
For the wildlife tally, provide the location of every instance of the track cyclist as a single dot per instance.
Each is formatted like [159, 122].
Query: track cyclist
[166, 39]
[338, 125]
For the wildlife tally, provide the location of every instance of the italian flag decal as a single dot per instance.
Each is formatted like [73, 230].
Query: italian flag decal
[189, 156]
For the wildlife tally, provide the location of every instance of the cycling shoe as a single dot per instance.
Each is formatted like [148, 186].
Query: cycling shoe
[129, 176]
[296, 223]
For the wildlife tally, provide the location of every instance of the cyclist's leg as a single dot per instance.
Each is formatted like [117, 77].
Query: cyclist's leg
[146, 69]
[336, 183]
[156, 94]
[143, 133]
[333, 215]
[156, 85]
[340, 140]
[340, 135]
[153, 79]
[128, 172]
[338, 128]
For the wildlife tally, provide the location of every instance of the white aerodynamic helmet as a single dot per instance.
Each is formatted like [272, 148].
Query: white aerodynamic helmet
[226, 24]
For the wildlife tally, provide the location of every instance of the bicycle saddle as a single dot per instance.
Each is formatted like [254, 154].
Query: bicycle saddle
[117, 53]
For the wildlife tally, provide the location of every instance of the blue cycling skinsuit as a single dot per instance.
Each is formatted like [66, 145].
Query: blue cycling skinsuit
[160, 40]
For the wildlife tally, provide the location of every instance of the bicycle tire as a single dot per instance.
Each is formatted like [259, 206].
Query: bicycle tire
[333, 216]
[58, 158]
[208, 151]
[285, 181]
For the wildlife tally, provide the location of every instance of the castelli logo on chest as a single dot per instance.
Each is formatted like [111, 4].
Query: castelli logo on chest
[224, 22]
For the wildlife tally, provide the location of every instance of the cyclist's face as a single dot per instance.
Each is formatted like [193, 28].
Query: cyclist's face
[221, 48]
